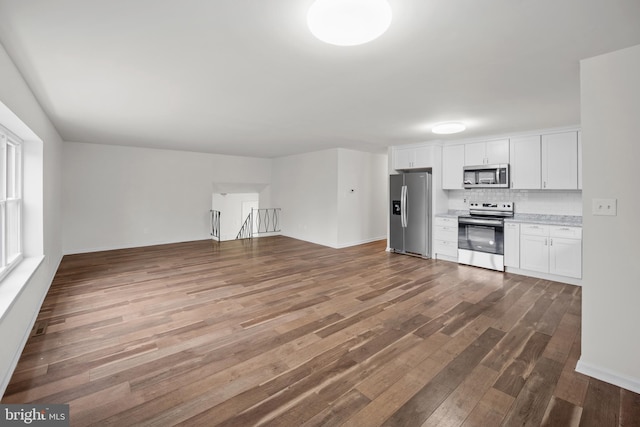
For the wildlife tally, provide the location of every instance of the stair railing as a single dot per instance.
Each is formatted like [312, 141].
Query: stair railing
[215, 224]
[260, 221]
[246, 231]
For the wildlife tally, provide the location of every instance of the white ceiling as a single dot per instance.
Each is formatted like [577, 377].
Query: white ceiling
[246, 77]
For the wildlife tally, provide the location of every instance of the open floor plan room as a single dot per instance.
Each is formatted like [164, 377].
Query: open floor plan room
[277, 331]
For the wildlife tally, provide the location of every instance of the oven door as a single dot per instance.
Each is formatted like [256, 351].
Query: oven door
[481, 235]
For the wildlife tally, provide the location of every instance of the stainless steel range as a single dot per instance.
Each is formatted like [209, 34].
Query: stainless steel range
[481, 234]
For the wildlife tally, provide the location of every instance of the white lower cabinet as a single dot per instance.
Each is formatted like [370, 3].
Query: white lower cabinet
[565, 256]
[551, 249]
[445, 236]
[512, 245]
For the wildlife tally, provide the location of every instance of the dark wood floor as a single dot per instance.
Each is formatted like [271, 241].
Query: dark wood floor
[281, 332]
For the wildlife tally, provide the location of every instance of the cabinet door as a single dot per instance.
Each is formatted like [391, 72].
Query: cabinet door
[534, 253]
[512, 245]
[524, 162]
[475, 154]
[452, 164]
[580, 160]
[403, 158]
[422, 157]
[565, 257]
[497, 151]
[560, 161]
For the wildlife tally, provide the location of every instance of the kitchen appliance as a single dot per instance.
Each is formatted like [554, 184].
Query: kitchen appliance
[481, 234]
[486, 176]
[410, 216]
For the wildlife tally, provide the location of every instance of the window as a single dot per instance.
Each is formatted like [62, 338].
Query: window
[10, 201]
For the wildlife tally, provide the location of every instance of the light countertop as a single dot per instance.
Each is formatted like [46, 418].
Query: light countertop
[565, 220]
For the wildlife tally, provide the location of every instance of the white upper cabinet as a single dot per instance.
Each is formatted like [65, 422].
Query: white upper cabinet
[452, 164]
[412, 157]
[403, 158]
[486, 153]
[525, 163]
[560, 161]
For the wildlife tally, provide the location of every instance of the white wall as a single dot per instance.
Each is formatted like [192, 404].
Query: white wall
[362, 197]
[305, 188]
[42, 193]
[119, 197]
[610, 98]
[313, 191]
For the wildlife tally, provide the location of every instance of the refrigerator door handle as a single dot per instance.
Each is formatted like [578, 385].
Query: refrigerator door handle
[404, 206]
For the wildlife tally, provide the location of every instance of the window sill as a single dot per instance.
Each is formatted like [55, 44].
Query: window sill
[13, 284]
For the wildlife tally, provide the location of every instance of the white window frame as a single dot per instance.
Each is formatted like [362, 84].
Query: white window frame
[11, 205]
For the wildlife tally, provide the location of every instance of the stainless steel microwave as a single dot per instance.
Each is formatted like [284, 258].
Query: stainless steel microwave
[486, 176]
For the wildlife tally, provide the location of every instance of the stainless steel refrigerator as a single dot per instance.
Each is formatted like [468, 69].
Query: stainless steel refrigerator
[410, 216]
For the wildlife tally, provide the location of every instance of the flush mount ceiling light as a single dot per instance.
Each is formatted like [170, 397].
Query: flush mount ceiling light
[348, 22]
[447, 128]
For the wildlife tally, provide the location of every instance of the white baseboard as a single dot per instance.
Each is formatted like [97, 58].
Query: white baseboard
[606, 375]
[545, 276]
[361, 242]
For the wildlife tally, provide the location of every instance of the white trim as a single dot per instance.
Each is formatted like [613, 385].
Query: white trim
[11, 288]
[606, 375]
[361, 242]
[445, 257]
[15, 282]
[534, 132]
[545, 276]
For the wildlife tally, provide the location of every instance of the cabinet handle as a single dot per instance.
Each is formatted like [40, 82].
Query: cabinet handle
[551, 240]
[545, 242]
[544, 185]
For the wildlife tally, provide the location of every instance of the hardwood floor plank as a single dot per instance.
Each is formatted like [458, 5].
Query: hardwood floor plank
[561, 413]
[459, 404]
[516, 374]
[629, 408]
[530, 406]
[601, 405]
[490, 410]
[423, 403]
[275, 331]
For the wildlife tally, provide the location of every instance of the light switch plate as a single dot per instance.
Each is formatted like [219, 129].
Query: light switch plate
[605, 207]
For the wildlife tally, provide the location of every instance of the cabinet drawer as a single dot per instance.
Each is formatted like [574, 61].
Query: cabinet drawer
[568, 232]
[534, 229]
[446, 248]
[447, 233]
[446, 221]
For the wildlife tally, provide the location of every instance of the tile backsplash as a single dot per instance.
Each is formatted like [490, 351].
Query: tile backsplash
[548, 202]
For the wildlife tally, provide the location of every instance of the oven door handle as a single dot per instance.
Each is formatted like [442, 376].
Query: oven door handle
[487, 222]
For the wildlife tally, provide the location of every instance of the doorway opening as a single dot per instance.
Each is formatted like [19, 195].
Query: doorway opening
[234, 210]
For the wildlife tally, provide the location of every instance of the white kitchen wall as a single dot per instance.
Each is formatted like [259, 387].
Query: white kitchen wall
[120, 197]
[610, 98]
[362, 197]
[305, 188]
[547, 202]
[42, 194]
[314, 192]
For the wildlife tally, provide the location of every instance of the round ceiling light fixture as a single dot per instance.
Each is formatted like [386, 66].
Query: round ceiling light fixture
[447, 128]
[348, 22]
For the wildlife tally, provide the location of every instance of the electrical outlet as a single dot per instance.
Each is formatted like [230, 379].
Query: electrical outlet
[605, 207]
